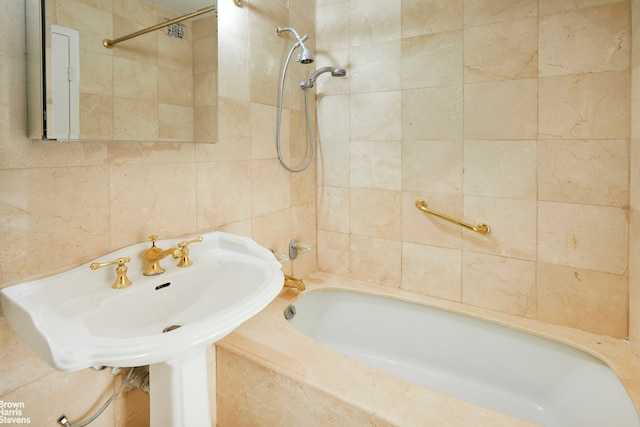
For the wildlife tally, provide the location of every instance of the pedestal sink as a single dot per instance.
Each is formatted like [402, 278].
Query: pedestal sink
[75, 320]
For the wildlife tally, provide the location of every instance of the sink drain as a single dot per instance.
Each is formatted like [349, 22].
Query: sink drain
[170, 328]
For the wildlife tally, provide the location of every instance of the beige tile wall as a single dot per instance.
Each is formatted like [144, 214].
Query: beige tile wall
[634, 221]
[63, 204]
[513, 113]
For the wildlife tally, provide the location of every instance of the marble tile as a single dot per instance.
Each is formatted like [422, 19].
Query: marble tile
[375, 67]
[419, 227]
[634, 276]
[584, 106]
[431, 270]
[583, 236]
[505, 169]
[375, 164]
[502, 51]
[333, 163]
[375, 116]
[135, 120]
[503, 284]
[594, 172]
[270, 187]
[74, 394]
[148, 199]
[97, 73]
[42, 207]
[333, 252]
[512, 223]
[96, 116]
[547, 7]
[371, 22]
[16, 354]
[584, 299]
[375, 260]
[135, 80]
[273, 230]
[332, 25]
[375, 213]
[263, 131]
[222, 195]
[585, 41]
[333, 209]
[480, 12]
[433, 113]
[432, 166]
[432, 60]
[424, 17]
[175, 123]
[501, 110]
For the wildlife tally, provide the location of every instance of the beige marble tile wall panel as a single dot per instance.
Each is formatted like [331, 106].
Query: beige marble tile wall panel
[480, 12]
[503, 284]
[574, 235]
[374, 67]
[375, 116]
[432, 271]
[375, 164]
[375, 260]
[553, 6]
[634, 277]
[333, 253]
[583, 299]
[419, 227]
[594, 172]
[512, 222]
[634, 178]
[58, 393]
[501, 110]
[485, 134]
[432, 166]
[502, 51]
[333, 209]
[584, 106]
[420, 17]
[221, 193]
[433, 113]
[585, 41]
[432, 60]
[515, 178]
[375, 213]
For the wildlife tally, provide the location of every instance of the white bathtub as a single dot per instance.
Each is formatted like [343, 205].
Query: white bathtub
[493, 366]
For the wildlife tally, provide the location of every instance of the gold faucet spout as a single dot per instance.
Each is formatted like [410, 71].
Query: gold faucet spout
[292, 282]
[154, 254]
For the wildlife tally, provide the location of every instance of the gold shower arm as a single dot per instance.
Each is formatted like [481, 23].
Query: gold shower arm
[111, 43]
[480, 228]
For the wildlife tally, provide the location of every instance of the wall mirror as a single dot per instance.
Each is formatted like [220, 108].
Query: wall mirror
[158, 86]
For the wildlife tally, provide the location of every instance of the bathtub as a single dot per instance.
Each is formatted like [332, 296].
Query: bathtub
[356, 354]
[493, 366]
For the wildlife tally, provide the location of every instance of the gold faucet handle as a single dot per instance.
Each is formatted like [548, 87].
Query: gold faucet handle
[185, 261]
[122, 281]
[153, 239]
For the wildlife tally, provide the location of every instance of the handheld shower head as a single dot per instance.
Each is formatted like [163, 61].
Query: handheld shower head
[335, 72]
[305, 56]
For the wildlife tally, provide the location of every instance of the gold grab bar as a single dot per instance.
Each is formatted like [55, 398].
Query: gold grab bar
[480, 228]
[111, 43]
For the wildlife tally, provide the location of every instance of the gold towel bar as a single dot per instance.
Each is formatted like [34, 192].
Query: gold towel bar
[480, 228]
[111, 43]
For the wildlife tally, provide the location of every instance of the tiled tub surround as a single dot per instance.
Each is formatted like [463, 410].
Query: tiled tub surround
[510, 113]
[271, 374]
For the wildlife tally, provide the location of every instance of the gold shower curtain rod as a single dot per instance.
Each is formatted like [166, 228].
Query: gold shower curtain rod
[111, 43]
[480, 228]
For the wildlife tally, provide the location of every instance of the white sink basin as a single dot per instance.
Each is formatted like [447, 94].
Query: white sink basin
[76, 320]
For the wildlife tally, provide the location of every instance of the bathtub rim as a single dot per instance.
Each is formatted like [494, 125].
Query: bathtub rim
[617, 354]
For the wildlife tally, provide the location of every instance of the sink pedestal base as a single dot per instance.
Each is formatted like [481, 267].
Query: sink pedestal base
[179, 392]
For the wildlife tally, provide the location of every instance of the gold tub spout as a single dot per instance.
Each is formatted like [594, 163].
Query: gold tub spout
[292, 282]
